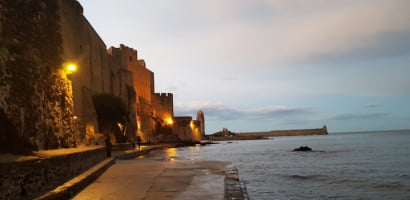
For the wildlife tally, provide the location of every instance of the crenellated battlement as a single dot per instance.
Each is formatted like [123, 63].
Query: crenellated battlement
[142, 62]
[125, 53]
[164, 94]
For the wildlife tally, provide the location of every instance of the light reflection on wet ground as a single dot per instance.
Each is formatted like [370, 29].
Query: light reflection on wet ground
[167, 154]
[172, 154]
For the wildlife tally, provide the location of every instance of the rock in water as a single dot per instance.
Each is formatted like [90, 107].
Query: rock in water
[303, 148]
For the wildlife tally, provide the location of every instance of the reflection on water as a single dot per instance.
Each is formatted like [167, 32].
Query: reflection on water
[194, 152]
[171, 154]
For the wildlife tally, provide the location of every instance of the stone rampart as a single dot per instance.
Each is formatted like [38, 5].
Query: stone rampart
[35, 95]
[163, 104]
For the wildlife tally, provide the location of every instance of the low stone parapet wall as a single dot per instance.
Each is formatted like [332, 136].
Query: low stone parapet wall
[31, 178]
[122, 146]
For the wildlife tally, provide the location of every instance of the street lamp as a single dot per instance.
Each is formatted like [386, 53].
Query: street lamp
[169, 121]
[69, 68]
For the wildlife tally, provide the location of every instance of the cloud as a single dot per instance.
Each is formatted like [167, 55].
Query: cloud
[303, 32]
[261, 33]
[211, 110]
[278, 111]
[359, 116]
[373, 105]
[221, 112]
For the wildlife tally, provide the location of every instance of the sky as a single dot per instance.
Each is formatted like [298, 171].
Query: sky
[266, 65]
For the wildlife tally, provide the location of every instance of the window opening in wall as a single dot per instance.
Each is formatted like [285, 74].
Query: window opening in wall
[130, 58]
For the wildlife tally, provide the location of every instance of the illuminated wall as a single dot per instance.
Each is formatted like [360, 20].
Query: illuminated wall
[200, 118]
[35, 95]
[187, 129]
[163, 104]
[100, 71]
[48, 108]
[82, 45]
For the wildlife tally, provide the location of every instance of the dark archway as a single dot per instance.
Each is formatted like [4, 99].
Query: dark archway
[111, 111]
[10, 140]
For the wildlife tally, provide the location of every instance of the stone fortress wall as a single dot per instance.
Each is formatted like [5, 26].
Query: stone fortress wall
[117, 71]
[45, 107]
[36, 102]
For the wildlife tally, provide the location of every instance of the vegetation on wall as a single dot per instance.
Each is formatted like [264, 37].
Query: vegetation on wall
[34, 96]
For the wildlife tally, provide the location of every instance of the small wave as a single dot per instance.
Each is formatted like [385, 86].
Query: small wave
[335, 197]
[404, 176]
[307, 177]
[347, 181]
[389, 186]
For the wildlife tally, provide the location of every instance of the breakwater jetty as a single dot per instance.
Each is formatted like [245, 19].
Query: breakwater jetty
[297, 132]
[225, 134]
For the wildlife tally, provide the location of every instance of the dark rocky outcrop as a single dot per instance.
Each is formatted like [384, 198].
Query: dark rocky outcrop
[303, 148]
[224, 133]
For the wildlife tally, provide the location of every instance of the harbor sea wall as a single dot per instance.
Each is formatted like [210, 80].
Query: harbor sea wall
[298, 132]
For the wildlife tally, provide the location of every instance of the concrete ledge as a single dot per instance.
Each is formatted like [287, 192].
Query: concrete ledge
[234, 187]
[76, 184]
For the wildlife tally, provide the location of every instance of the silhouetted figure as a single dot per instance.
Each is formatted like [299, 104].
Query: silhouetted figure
[139, 141]
[108, 145]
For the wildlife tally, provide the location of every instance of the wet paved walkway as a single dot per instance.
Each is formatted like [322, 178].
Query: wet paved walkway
[152, 179]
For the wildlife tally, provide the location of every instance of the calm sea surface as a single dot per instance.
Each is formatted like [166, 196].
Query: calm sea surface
[366, 165]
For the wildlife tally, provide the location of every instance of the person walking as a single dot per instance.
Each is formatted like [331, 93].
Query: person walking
[139, 141]
[108, 145]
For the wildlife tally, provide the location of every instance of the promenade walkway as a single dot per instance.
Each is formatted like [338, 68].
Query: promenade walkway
[151, 179]
[137, 178]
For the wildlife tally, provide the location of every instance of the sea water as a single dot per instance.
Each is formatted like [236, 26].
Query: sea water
[365, 165]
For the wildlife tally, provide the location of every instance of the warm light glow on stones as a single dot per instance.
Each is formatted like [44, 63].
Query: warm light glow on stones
[169, 121]
[70, 68]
